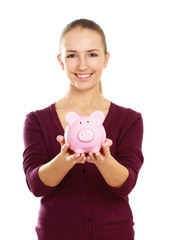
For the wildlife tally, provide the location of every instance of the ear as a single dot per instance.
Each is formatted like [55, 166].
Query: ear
[106, 60]
[71, 117]
[98, 116]
[60, 61]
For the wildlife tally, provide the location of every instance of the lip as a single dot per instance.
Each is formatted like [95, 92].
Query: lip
[83, 76]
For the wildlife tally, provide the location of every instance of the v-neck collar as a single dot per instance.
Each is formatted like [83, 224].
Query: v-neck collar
[60, 127]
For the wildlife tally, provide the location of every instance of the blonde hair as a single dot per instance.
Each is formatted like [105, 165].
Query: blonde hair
[101, 87]
[88, 24]
[85, 23]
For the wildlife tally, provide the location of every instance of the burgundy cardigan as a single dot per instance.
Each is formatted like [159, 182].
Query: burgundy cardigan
[83, 206]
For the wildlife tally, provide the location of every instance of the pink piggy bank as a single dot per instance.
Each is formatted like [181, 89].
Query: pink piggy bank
[85, 133]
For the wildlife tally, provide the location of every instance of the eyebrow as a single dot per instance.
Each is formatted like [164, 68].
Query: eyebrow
[91, 50]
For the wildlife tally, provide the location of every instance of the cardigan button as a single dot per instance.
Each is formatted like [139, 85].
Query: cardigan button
[83, 170]
[91, 236]
[90, 219]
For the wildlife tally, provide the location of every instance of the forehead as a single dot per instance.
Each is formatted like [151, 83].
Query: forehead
[82, 39]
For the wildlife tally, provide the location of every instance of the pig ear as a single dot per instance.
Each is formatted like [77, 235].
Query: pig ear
[71, 117]
[98, 116]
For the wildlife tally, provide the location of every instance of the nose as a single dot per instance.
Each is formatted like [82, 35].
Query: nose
[82, 63]
[85, 135]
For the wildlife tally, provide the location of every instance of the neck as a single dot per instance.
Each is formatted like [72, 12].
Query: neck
[84, 99]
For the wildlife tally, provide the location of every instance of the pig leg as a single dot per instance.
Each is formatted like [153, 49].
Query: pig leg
[79, 150]
[96, 149]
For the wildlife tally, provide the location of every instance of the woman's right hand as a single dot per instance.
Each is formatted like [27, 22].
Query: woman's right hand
[68, 154]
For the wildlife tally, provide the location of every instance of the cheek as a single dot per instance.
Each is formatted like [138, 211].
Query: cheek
[96, 64]
[69, 65]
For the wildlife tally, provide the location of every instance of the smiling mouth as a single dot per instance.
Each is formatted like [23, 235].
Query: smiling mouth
[84, 76]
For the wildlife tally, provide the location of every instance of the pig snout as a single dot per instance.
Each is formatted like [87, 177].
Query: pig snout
[85, 135]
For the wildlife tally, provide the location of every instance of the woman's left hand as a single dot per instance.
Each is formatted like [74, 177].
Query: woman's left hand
[99, 157]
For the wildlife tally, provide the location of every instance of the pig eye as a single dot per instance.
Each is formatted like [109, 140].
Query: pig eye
[80, 122]
[87, 121]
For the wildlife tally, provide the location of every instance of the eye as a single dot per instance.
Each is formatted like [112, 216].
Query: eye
[93, 55]
[71, 56]
[80, 122]
[87, 121]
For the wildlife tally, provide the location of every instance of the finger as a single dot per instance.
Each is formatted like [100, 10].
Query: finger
[91, 157]
[94, 157]
[99, 157]
[105, 149]
[83, 160]
[71, 157]
[88, 159]
[65, 147]
[78, 158]
[108, 142]
[60, 139]
[105, 146]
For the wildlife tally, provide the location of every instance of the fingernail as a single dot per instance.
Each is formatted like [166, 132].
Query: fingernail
[61, 138]
[67, 145]
[97, 154]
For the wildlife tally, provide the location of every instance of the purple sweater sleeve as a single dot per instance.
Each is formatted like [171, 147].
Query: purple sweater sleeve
[34, 155]
[129, 153]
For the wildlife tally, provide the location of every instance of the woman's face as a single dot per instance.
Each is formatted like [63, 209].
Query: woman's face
[83, 58]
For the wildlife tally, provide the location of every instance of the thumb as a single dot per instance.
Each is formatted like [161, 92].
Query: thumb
[61, 139]
[108, 142]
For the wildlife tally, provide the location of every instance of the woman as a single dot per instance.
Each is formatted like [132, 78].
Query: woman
[83, 196]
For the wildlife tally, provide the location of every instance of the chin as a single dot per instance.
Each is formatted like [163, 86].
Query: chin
[85, 86]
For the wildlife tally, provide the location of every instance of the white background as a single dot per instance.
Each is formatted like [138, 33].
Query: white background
[146, 72]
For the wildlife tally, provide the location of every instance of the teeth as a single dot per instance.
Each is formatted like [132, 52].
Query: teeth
[84, 75]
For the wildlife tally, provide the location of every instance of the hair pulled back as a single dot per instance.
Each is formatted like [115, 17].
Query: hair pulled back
[87, 24]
